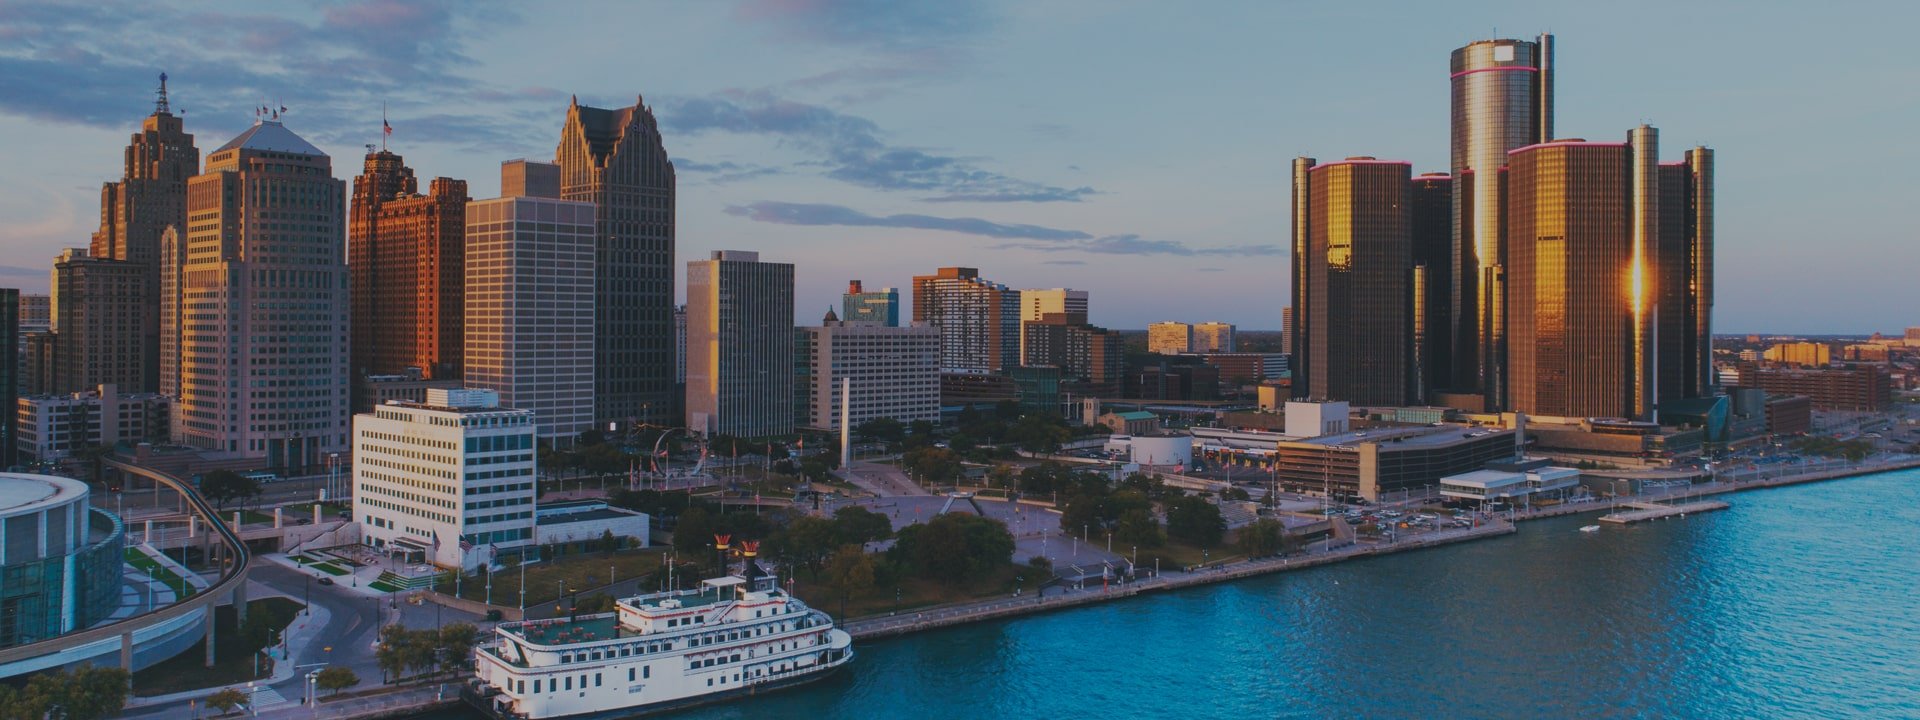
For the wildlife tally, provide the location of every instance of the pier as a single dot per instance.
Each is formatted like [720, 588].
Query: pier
[1643, 511]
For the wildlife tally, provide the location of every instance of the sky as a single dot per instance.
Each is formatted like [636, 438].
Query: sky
[1137, 150]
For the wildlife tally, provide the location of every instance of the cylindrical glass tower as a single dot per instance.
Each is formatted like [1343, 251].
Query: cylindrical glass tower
[1502, 100]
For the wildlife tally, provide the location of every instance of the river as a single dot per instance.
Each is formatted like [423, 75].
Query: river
[1799, 602]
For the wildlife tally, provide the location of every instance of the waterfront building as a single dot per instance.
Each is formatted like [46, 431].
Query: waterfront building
[1855, 388]
[406, 256]
[1358, 255]
[583, 525]
[1169, 338]
[530, 269]
[1802, 354]
[1371, 463]
[894, 372]
[448, 481]
[979, 321]
[1037, 304]
[1502, 100]
[50, 428]
[254, 304]
[60, 566]
[1213, 337]
[879, 306]
[615, 160]
[100, 309]
[739, 346]
[136, 210]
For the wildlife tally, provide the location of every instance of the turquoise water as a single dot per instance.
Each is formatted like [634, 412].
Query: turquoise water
[1801, 602]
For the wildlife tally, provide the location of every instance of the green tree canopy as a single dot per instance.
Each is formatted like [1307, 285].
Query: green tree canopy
[954, 548]
[336, 678]
[1263, 538]
[1195, 521]
[223, 486]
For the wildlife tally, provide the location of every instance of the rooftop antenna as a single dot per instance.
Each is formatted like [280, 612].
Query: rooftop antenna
[160, 100]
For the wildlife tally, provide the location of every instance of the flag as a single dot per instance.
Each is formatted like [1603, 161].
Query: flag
[385, 128]
[465, 547]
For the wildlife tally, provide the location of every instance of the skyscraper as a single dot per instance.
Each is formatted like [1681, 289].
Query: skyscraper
[862, 305]
[9, 374]
[100, 307]
[1286, 329]
[150, 196]
[1432, 199]
[979, 321]
[1169, 338]
[1213, 337]
[1359, 268]
[1686, 276]
[615, 160]
[1091, 359]
[529, 318]
[1502, 100]
[256, 303]
[406, 255]
[740, 346]
[894, 372]
[1036, 304]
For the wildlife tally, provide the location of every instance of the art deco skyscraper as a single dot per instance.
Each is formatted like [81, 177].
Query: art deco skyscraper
[740, 359]
[1502, 100]
[150, 197]
[406, 256]
[1359, 267]
[615, 160]
[255, 303]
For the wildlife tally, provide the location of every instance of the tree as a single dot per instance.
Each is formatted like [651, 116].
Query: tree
[608, 543]
[694, 533]
[1047, 477]
[807, 541]
[1195, 521]
[454, 645]
[855, 525]
[85, 693]
[954, 548]
[884, 429]
[1138, 527]
[1263, 538]
[221, 486]
[226, 700]
[932, 466]
[850, 571]
[336, 678]
[1002, 476]
[1039, 433]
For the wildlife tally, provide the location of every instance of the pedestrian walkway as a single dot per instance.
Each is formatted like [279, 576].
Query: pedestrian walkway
[265, 697]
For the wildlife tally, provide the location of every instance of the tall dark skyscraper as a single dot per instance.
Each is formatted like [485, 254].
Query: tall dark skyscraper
[615, 160]
[406, 259]
[1299, 316]
[1686, 276]
[9, 375]
[1432, 201]
[150, 197]
[1359, 290]
[1502, 100]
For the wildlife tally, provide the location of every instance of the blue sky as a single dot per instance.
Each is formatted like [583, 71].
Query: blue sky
[1138, 150]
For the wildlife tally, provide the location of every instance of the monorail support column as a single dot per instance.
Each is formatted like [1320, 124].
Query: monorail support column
[126, 652]
[210, 613]
[240, 601]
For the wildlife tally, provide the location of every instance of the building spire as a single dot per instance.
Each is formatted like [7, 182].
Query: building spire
[160, 97]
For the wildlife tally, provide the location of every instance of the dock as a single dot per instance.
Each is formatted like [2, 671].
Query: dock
[1643, 511]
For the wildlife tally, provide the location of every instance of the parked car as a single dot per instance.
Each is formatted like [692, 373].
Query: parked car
[324, 580]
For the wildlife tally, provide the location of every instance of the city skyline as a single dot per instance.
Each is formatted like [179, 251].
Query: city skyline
[835, 138]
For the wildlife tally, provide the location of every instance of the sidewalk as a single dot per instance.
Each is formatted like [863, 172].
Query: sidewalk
[305, 626]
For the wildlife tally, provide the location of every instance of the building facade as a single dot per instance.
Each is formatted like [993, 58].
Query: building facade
[1803, 354]
[1169, 338]
[1213, 337]
[739, 346]
[60, 562]
[1036, 304]
[879, 306]
[1502, 100]
[530, 305]
[450, 480]
[894, 373]
[1857, 388]
[136, 211]
[615, 160]
[100, 311]
[1358, 257]
[10, 312]
[979, 321]
[1092, 360]
[406, 258]
[254, 304]
[51, 428]
[1431, 197]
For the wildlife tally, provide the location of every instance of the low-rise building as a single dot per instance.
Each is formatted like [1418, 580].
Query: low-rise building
[1369, 463]
[1131, 423]
[371, 391]
[448, 481]
[1857, 388]
[53, 427]
[582, 525]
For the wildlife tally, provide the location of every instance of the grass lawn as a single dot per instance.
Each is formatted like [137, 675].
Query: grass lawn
[252, 517]
[181, 588]
[914, 593]
[233, 654]
[384, 586]
[328, 568]
[580, 571]
[1174, 556]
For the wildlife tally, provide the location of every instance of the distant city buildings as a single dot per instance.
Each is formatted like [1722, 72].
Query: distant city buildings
[529, 318]
[1802, 354]
[1169, 338]
[261, 266]
[615, 160]
[894, 372]
[100, 310]
[979, 321]
[1091, 359]
[53, 427]
[879, 306]
[740, 346]
[1859, 388]
[1213, 337]
[406, 254]
[10, 313]
[1071, 305]
[448, 481]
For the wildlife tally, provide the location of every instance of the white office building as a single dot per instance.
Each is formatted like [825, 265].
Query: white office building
[449, 481]
[894, 372]
[530, 301]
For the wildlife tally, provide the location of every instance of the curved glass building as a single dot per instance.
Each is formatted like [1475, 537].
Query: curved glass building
[1502, 100]
[60, 560]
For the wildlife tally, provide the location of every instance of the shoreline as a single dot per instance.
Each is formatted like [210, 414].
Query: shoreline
[877, 627]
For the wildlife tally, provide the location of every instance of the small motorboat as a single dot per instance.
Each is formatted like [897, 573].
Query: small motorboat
[1590, 528]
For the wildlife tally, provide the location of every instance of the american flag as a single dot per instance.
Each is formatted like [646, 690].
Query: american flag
[465, 546]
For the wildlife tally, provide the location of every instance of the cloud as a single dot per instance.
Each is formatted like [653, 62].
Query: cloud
[852, 150]
[781, 213]
[1210, 269]
[1136, 245]
[887, 25]
[1063, 262]
[725, 171]
[17, 271]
